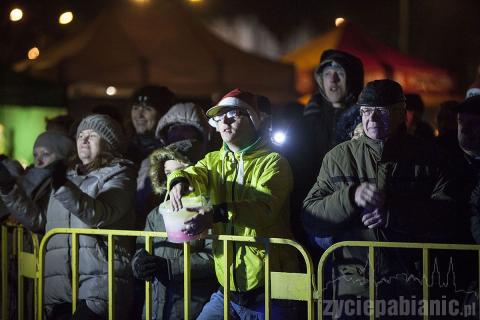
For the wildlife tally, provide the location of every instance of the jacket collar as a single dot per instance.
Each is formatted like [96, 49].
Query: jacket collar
[258, 148]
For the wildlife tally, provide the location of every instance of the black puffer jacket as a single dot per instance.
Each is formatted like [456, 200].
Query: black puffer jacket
[323, 126]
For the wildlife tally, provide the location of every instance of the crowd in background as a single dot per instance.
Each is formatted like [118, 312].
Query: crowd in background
[359, 163]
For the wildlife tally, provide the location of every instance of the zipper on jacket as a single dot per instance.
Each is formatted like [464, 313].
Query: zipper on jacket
[232, 227]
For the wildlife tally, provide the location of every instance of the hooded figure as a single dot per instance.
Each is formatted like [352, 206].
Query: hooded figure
[331, 115]
[165, 266]
[184, 121]
[49, 147]
[329, 118]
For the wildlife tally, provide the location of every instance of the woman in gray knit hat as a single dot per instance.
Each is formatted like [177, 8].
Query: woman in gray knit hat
[97, 191]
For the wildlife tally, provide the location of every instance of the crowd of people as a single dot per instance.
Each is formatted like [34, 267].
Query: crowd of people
[360, 164]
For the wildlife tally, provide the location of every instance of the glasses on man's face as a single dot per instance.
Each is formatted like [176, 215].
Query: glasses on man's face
[368, 111]
[231, 115]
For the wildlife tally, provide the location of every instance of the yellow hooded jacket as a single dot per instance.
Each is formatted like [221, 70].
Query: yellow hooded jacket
[255, 183]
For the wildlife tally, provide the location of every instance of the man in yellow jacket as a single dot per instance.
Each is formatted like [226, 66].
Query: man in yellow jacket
[249, 187]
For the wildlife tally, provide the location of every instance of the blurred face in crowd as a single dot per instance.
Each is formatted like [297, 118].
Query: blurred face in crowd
[469, 133]
[172, 165]
[335, 84]
[144, 118]
[89, 146]
[43, 157]
[235, 127]
[379, 122]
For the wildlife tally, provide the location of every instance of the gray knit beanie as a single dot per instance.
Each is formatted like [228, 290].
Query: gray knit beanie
[57, 143]
[108, 129]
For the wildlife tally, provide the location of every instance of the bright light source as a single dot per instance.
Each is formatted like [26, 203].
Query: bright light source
[33, 53]
[66, 17]
[279, 137]
[195, 1]
[111, 91]
[141, 1]
[16, 14]
[339, 21]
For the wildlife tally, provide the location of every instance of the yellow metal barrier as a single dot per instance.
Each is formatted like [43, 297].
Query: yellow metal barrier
[278, 285]
[26, 267]
[425, 247]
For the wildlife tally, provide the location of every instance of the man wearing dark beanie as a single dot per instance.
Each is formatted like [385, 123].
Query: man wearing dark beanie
[149, 104]
[384, 186]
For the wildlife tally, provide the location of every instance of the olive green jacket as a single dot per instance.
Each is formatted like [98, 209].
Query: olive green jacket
[409, 172]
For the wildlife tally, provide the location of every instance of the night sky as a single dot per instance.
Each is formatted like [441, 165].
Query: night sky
[443, 32]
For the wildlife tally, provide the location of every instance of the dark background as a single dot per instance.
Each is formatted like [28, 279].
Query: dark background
[443, 32]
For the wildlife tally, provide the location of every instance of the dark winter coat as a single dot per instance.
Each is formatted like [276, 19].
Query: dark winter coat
[35, 188]
[167, 298]
[417, 189]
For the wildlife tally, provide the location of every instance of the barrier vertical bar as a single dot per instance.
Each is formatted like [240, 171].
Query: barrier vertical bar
[4, 272]
[36, 247]
[267, 281]
[425, 288]
[186, 280]
[74, 236]
[20, 284]
[226, 281]
[371, 281]
[148, 284]
[111, 277]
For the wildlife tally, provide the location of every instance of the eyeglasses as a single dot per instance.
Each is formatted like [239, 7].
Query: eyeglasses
[231, 115]
[368, 111]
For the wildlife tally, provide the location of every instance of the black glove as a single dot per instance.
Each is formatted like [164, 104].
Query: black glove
[6, 179]
[83, 312]
[59, 175]
[148, 266]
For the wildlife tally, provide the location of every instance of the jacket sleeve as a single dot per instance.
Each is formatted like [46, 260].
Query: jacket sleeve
[264, 202]
[196, 175]
[327, 206]
[24, 209]
[114, 201]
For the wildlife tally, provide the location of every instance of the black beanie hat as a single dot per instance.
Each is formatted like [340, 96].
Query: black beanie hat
[470, 106]
[381, 93]
[160, 98]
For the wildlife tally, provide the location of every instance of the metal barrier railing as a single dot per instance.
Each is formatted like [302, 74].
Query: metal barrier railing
[26, 267]
[425, 247]
[292, 286]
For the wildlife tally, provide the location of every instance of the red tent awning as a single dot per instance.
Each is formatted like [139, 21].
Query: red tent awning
[380, 61]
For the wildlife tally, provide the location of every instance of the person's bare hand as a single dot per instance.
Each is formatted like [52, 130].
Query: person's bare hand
[200, 222]
[368, 196]
[374, 219]
[176, 194]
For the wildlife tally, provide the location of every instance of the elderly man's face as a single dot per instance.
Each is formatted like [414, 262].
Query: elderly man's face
[335, 84]
[379, 122]
[469, 133]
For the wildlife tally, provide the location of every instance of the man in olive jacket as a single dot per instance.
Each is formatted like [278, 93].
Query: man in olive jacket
[384, 186]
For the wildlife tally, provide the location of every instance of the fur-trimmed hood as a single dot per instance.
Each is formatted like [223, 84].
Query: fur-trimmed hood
[176, 151]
